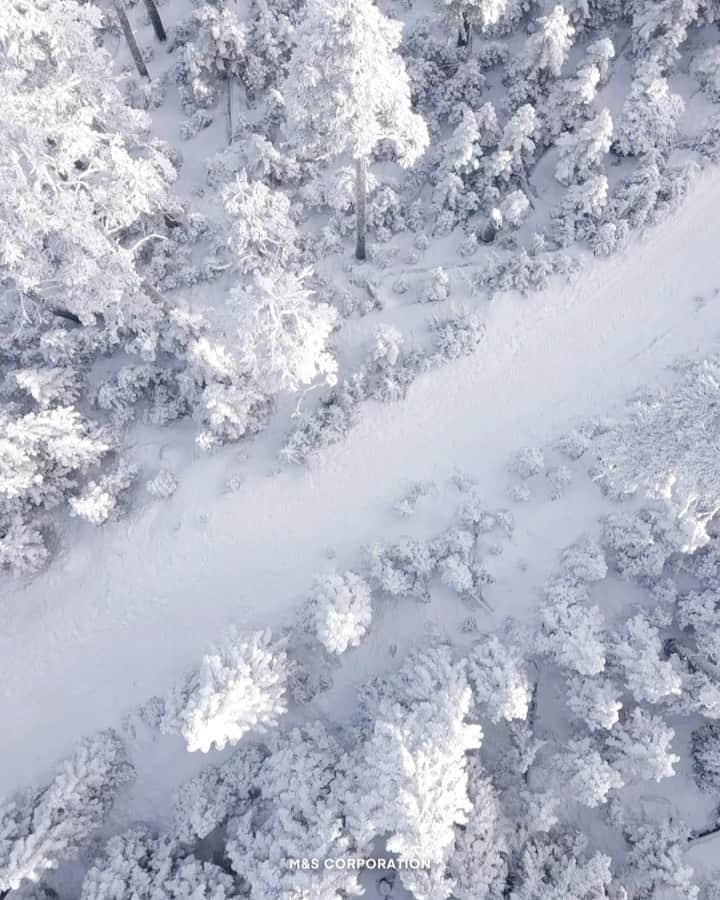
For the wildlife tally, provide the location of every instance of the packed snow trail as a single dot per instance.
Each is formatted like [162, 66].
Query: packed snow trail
[131, 605]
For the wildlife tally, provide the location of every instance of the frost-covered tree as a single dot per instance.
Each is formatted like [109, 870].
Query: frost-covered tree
[463, 15]
[412, 784]
[341, 610]
[514, 208]
[206, 802]
[270, 42]
[569, 102]
[516, 146]
[347, 90]
[139, 864]
[477, 865]
[461, 155]
[706, 68]
[665, 450]
[637, 650]
[546, 50]
[217, 53]
[583, 562]
[600, 54]
[543, 57]
[553, 866]
[40, 829]
[283, 333]
[595, 701]
[298, 812]
[43, 457]
[240, 686]
[402, 569]
[639, 747]
[583, 775]
[655, 865]
[570, 631]
[705, 748]
[650, 114]
[262, 234]
[698, 610]
[659, 27]
[577, 215]
[634, 544]
[582, 152]
[499, 681]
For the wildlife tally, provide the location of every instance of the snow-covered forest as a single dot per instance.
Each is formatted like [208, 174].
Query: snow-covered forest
[359, 449]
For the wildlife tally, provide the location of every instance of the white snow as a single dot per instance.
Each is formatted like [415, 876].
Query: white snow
[132, 605]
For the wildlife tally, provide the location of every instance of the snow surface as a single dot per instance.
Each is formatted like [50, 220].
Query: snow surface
[132, 605]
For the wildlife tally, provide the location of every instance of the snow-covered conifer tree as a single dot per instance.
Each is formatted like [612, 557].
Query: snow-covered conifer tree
[341, 610]
[207, 801]
[516, 146]
[582, 152]
[569, 103]
[283, 332]
[583, 775]
[347, 90]
[413, 781]
[499, 680]
[477, 865]
[659, 27]
[240, 686]
[550, 866]
[262, 233]
[656, 862]
[463, 15]
[300, 793]
[706, 68]
[577, 215]
[217, 54]
[139, 864]
[595, 701]
[650, 114]
[42, 828]
[570, 631]
[637, 650]
[706, 756]
[543, 56]
[43, 456]
[639, 747]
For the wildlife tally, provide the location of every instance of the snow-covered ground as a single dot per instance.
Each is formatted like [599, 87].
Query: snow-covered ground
[120, 615]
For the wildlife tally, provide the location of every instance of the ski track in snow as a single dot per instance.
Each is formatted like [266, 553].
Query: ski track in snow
[129, 607]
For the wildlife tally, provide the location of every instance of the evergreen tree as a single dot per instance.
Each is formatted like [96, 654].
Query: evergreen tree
[640, 747]
[239, 686]
[41, 828]
[650, 114]
[347, 90]
[139, 865]
[412, 783]
[581, 153]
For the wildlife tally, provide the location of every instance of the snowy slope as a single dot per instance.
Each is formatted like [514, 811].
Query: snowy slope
[133, 604]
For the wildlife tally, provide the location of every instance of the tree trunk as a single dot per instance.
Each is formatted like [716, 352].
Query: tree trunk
[130, 38]
[155, 19]
[229, 122]
[361, 206]
[464, 31]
